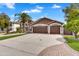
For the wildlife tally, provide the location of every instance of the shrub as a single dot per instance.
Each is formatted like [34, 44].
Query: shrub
[19, 30]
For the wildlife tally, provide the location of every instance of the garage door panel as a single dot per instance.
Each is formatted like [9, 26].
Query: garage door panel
[55, 29]
[40, 29]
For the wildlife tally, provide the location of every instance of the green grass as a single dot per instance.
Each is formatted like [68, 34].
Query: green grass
[7, 37]
[72, 43]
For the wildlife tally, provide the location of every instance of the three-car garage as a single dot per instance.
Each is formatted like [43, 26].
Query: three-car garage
[44, 29]
[46, 25]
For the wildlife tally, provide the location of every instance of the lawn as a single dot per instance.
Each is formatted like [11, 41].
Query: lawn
[11, 36]
[72, 43]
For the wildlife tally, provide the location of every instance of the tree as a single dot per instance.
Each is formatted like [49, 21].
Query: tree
[72, 18]
[73, 26]
[4, 21]
[23, 18]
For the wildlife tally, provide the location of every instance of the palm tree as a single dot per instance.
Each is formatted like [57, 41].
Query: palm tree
[4, 21]
[23, 18]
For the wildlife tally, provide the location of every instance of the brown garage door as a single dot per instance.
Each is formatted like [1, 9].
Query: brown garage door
[55, 30]
[40, 29]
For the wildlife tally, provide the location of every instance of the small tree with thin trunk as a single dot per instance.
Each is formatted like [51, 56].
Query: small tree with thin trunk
[73, 26]
[4, 21]
[72, 19]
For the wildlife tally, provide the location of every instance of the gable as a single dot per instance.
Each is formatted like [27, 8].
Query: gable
[46, 21]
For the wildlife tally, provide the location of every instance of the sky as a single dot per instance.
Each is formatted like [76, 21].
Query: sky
[35, 10]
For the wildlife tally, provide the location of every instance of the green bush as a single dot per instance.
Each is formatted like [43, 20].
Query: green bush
[19, 30]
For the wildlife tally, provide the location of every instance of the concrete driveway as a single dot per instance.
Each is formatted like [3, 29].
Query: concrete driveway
[29, 45]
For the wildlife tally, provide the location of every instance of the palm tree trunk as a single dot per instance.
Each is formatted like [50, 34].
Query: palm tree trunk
[23, 28]
[27, 26]
[20, 25]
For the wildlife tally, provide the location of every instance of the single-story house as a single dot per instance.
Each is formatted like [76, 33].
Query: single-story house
[46, 25]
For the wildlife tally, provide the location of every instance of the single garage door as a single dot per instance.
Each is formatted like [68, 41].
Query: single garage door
[55, 30]
[40, 29]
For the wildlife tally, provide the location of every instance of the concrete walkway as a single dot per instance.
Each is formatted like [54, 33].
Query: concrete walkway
[32, 45]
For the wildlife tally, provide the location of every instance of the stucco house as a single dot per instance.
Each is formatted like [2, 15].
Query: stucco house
[46, 25]
[17, 24]
[14, 26]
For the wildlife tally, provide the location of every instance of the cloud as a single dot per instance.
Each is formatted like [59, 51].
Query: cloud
[31, 11]
[56, 6]
[37, 9]
[8, 5]
[26, 11]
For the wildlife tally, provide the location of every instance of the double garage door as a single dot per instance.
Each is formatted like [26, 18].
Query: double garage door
[40, 29]
[44, 29]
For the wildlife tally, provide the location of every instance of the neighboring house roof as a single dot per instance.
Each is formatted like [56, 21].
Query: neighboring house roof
[46, 20]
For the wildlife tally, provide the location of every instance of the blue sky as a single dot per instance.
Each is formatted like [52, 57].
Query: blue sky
[35, 10]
